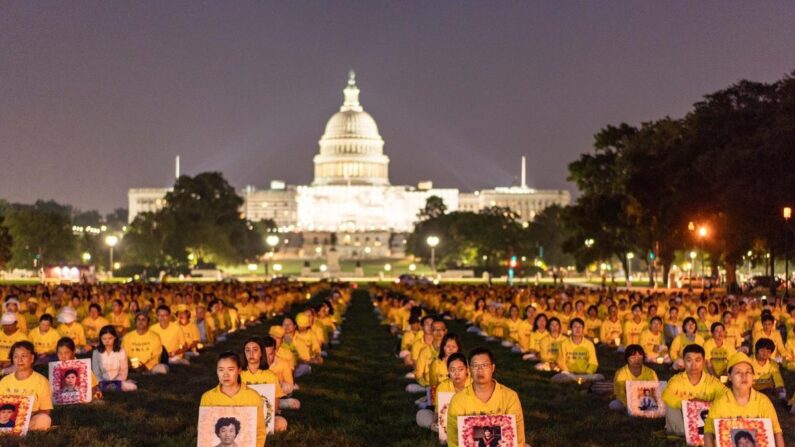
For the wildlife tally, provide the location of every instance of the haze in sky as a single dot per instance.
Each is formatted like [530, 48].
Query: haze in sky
[99, 97]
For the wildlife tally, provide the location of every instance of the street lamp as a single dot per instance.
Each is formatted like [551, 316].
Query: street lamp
[787, 216]
[702, 233]
[630, 256]
[433, 241]
[111, 242]
[272, 241]
[693, 255]
[86, 257]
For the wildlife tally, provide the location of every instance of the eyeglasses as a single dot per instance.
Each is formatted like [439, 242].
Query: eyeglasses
[483, 366]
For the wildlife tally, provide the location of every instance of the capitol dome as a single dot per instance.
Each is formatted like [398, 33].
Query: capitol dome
[351, 149]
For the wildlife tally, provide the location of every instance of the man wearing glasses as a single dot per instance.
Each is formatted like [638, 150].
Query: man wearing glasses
[483, 397]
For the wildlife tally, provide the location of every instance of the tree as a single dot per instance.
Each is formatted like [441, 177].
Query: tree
[548, 232]
[434, 207]
[41, 235]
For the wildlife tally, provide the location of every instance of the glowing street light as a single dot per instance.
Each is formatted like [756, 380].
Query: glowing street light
[111, 242]
[252, 267]
[86, 257]
[387, 267]
[630, 256]
[272, 241]
[412, 267]
[787, 212]
[277, 267]
[589, 243]
[433, 241]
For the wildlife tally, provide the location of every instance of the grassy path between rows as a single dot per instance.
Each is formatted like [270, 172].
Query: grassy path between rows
[357, 398]
[163, 412]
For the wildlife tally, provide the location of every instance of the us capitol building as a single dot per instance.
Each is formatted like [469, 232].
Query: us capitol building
[351, 202]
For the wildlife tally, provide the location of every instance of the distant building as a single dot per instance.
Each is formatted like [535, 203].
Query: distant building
[351, 204]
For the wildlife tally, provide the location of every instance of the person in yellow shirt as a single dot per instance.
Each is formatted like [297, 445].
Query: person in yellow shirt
[93, 323]
[484, 397]
[305, 342]
[692, 384]
[653, 342]
[634, 370]
[11, 305]
[718, 349]
[24, 381]
[144, 348]
[420, 342]
[231, 392]
[689, 336]
[408, 337]
[550, 347]
[45, 338]
[70, 328]
[577, 359]
[119, 318]
[612, 329]
[256, 372]
[634, 327]
[532, 345]
[456, 380]
[767, 376]
[769, 330]
[10, 335]
[742, 401]
[437, 372]
[282, 370]
[171, 336]
[190, 331]
[428, 353]
[33, 313]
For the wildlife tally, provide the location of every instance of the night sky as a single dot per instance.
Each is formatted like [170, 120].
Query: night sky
[98, 97]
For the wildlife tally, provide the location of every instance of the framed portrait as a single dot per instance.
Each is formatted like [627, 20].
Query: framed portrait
[268, 393]
[495, 430]
[744, 432]
[220, 426]
[644, 398]
[15, 413]
[442, 404]
[70, 382]
[694, 413]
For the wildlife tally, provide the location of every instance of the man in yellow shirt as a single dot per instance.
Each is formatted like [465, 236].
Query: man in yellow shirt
[93, 323]
[611, 331]
[45, 338]
[171, 336]
[304, 341]
[429, 352]
[692, 384]
[190, 331]
[767, 376]
[144, 348]
[741, 401]
[577, 359]
[484, 397]
[10, 335]
[634, 370]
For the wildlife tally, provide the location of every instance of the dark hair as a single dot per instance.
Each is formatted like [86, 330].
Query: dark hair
[109, 329]
[9, 407]
[576, 320]
[457, 356]
[742, 434]
[70, 371]
[764, 343]
[95, 306]
[638, 306]
[66, 341]
[447, 337]
[715, 326]
[263, 361]
[223, 422]
[268, 341]
[688, 320]
[413, 319]
[426, 318]
[229, 355]
[163, 307]
[767, 317]
[694, 349]
[24, 344]
[480, 350]
[144, 314]
[46, 317]
[632, 350]
[655, 318]
[549, 322]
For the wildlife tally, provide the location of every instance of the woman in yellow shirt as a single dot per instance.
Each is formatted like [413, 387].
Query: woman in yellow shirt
[742, 401]
[536, 339]
[550, 346]
[438, 369]
[635, 370]
[231, 392]
[24, 381]
[689, 336]
[718, 350]
[255, 371]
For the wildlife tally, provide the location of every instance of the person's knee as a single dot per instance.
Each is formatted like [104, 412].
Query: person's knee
[128, 385]
[616, 405]
[160, 368]
[425, 418]
[40, 421]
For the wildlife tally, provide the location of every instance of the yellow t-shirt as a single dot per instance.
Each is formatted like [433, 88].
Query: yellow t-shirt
[93, 326]
[726, 406]
[6, 341]
[679, 388]
[632, 331]
[679, 344]
[36, 385]
[437, 372]
[147, 348]
[262, 376]
[578, 358]
[190, 332]
[550, 348]
[624, 375]
[172, 336]
[244, 398]
[718, 356]
[120, 321]
[44, 343]
[767, 376]
[652, 343]
[74, 331]
[610, 330]
[465, 403]
[423, 365]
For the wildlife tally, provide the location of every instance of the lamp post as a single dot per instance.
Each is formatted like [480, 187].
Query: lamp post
[433, 241]
[111, 242]
[272, 241]
[787, 216]
[630, 256]
[693, 255]
[702, 233]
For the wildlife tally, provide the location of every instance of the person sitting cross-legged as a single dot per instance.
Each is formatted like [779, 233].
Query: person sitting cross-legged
[577, 359]
[634, 370]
